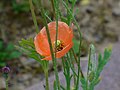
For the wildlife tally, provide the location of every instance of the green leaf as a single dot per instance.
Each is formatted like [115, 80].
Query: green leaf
[22, 6]
[22, 50]
[83, 82]
[97, 81]
[35, 56]
[2, 64]
[91, 76]
[107, 54]
[14, 54]
[28, 48]
[99, 58]
[3, 56]
[55, 85]
[1, 45]
[63, 19]
[10, 47]
[28, 42]
[27, 45]
[76, 45]
[106, 57]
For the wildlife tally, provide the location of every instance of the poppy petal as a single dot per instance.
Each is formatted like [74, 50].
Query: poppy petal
[69, 38]
[41, 45]
[63, 31]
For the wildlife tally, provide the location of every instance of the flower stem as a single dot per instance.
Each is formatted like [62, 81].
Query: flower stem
[66, 68]
[53, 6]
[6, 82]
[51, 49]
[45, 65]
[46, 79]
[56, 5]
[33, 16]
[79, 68]
[73, 67]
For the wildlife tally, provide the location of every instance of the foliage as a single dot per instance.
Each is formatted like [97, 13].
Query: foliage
[7, 52]
[21, 6]
[95, 67]
[76, 46]
[70, 71]
[84, 47]
[27, 46]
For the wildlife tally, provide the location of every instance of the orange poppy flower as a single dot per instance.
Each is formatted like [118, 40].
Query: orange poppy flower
[64, 40]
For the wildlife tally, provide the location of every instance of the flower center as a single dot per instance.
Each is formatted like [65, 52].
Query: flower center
[59, 45]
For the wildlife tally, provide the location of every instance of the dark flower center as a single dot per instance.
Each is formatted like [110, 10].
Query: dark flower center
[59, 46]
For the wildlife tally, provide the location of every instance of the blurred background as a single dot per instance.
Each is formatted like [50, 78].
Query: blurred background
[99, 21]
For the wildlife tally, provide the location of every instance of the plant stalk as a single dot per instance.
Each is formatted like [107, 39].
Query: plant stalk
[6, 82]
[56, 5]
[46, 79]
[33, 16]
[50, 43]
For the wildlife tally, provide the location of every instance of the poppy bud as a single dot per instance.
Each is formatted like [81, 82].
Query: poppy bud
[6, 70]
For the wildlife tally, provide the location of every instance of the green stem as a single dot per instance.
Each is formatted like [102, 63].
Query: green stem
[45, 65]
[68, 15]
[33, 16]
[87, 81]
[53, 6]
[46, 79]
[75, 57]
[66, 68]
[50, 43]
[71, 63]
[68, 84]
[79, 68]
[68, 72]
[73, 67]
[56, 5]
[6, 81]
[76, 25]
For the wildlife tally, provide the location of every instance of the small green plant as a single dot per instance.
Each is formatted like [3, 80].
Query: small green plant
[7, 52]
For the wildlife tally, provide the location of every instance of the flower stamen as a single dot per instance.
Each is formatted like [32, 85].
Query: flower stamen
[59, 46]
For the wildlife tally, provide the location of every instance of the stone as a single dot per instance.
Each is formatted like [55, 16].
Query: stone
[2, 83]
[26, 61]
[24, 77]
[116, 11]
[18, 87]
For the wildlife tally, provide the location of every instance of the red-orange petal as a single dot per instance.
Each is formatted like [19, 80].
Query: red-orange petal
[63, 31]
[69, 38]
[65, 34]
[41, 45]
[60, 53]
